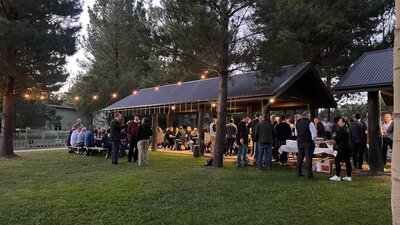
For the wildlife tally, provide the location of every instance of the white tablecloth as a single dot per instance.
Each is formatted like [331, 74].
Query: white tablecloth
[292, 148]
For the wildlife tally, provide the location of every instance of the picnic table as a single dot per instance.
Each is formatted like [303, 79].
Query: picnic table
[291, 146]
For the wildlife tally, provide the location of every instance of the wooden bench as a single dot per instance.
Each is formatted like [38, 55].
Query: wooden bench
[98, 149]
[76, 150]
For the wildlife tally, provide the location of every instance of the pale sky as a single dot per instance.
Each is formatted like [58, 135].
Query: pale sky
[72, 65]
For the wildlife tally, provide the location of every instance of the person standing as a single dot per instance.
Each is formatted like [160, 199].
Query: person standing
[306, 138]
[264, 138]
[115, 136]
[358, 136]
[231, 130]
[143, 136]
[283, 133]
[213, 132]
[387, 133]
[343, 151]
[296, 118]
[328, 128]
[132, 131]
[242, 139]
[253, 125]
[319, 127]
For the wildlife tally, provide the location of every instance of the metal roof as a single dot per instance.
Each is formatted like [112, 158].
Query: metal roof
[371, 72]
[245, 85]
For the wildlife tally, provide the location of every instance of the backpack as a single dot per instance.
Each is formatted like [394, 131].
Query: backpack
[209, 162]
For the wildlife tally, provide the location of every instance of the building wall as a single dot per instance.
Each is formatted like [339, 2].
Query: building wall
[69, 117]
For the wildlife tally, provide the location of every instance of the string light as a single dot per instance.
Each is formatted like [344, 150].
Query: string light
[42, 97]
[271, 100]
[95, 97]
[134, 92]
[179, 83]
[203, 77]
[173, 107]
[157, 88]
[114, 95]
[59, 98]
[26, 96]
[213, 105]
[77, 98]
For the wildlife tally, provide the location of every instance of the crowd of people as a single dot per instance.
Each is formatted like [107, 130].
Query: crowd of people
[265, 134]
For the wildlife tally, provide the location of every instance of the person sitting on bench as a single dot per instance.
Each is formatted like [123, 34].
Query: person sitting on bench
[89, 140]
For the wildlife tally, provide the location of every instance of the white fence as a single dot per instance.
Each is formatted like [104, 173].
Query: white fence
[39, 143]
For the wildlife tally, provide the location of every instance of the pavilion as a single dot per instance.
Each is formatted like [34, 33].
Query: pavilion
[297, 87]
[372, 73]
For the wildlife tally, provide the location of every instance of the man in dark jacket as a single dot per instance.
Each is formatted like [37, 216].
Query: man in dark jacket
[306, 138]
[359, 141]
[143, 136]
[242, 139]
[253, 125]
[115, 136]
[264, 138]
[283, 132]
[230, 136]
[132, 131]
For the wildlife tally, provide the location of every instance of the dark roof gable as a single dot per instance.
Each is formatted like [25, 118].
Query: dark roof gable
[372, 71]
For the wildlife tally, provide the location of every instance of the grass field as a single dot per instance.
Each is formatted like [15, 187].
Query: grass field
[60, 188]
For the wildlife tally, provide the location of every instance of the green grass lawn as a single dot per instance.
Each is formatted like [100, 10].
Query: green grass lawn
[60, 188]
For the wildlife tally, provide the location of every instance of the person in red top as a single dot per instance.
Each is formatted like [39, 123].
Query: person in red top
[132, 131]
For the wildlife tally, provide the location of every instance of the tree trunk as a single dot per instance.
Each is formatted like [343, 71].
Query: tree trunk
[222, 101]
[220, 135]
[375, 160]
[7, 121]
[155, 133]
[396, 136]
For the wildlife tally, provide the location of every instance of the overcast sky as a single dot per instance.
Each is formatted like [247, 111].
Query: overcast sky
[72, 65]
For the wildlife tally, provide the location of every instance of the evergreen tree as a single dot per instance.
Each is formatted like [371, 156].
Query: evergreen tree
[120, 55]
[36, 36]
[208, 35]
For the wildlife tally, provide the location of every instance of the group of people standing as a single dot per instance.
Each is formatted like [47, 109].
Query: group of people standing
[139, 133]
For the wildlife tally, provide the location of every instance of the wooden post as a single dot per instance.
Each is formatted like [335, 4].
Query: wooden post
[375, 160]
[201, 129]
[266, 109]
[154, 128]
[170, 116]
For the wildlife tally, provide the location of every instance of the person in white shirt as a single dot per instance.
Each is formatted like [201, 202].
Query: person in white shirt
[213, 130]
[387, 134]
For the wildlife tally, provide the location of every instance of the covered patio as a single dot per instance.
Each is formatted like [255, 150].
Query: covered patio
[297, 88]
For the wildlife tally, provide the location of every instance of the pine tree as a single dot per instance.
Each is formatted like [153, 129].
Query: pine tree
[121, 57]
[208, 35]
[36, 37]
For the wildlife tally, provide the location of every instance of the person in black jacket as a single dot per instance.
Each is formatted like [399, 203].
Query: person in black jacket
[115, 136]
[264, 138]
[143, 136]
[320, 128]
[283, 132]
[242, 139]
[359, 138]
[306, 138]
[343, 151]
